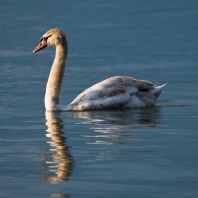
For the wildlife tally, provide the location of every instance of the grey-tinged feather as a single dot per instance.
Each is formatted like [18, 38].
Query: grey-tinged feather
[114, 86]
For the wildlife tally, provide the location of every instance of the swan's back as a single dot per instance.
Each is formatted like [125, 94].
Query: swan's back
[116, 92]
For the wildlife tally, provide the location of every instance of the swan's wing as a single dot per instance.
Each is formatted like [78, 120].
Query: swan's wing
[114, 86]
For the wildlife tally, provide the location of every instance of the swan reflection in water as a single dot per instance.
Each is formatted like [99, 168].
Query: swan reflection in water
[107, 127]
[59, 161]
[118, 127]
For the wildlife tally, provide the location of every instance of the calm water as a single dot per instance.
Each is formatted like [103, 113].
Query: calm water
[149, 152]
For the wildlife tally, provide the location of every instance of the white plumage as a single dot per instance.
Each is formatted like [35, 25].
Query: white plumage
[117, 92]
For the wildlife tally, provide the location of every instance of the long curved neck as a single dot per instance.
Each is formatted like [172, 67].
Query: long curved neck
[55, 80]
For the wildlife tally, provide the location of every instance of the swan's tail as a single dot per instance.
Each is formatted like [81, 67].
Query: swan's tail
[157, 91]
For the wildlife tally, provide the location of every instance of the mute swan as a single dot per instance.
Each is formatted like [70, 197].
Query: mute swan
[113, 93]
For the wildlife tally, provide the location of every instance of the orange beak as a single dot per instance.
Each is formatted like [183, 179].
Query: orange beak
[41, 45]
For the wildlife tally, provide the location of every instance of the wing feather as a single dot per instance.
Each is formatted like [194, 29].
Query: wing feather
[117, 85]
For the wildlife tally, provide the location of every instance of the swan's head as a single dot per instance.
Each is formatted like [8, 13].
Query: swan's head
[52, 37]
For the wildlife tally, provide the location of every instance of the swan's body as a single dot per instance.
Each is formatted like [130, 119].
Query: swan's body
[112, 93]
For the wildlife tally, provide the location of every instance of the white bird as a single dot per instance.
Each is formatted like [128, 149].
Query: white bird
[113, 93]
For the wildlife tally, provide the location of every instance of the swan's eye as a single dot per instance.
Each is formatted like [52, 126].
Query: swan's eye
[45, 38]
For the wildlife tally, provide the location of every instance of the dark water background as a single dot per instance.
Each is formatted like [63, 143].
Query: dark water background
[150, 152]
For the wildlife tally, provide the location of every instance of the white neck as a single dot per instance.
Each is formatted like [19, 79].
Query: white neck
[55, 80]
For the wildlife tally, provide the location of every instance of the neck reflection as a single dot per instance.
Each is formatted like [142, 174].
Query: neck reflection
[59, 161]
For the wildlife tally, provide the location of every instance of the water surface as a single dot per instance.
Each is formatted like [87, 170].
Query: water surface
[143, 152]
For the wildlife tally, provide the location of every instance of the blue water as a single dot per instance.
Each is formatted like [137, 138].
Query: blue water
[143, 152]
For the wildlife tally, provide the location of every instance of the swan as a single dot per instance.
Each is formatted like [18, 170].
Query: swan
[113, 93]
